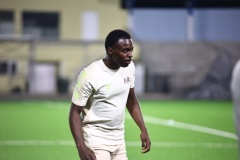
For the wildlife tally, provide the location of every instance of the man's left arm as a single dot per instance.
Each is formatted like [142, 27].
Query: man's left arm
[135, 111]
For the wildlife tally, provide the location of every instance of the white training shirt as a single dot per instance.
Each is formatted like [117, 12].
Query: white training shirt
[104, 93]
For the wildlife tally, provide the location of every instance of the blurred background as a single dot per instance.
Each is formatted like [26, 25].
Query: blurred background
[184, 53]
[183, 48]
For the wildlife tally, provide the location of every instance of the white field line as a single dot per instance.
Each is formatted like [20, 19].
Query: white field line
[187, 126]
[186, 144]
[36, 143]
[128, 143]
[58, 105]
[165, 122]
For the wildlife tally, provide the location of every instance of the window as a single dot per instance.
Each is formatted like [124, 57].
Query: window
[42, 25]
[6, 22]
[8, 68]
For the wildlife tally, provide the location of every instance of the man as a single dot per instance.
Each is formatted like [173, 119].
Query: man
[102, 92]
[235, 89]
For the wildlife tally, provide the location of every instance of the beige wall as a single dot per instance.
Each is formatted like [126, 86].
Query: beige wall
[111, 15]
[69, 53]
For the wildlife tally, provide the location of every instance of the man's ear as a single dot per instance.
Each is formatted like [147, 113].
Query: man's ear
[110, 51]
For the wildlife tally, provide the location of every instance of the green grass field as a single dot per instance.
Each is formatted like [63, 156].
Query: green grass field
[179, 130]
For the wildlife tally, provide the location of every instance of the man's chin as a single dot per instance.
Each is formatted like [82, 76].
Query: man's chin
[124, 65]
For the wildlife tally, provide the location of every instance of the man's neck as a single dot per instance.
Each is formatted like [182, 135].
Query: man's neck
[109, 63]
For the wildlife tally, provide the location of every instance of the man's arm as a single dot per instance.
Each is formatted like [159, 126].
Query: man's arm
[76, 128]
[135, 111]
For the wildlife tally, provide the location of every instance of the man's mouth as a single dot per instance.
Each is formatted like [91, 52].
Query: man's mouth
[128, 61]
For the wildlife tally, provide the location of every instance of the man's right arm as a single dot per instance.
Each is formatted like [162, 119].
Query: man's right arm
[85, 153]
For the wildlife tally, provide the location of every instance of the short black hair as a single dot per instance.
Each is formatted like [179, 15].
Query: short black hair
[113, 37]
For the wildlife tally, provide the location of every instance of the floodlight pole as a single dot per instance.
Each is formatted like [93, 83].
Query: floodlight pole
[190, 20]
[130, 6]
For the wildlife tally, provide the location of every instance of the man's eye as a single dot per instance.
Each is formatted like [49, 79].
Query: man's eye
[127, 50]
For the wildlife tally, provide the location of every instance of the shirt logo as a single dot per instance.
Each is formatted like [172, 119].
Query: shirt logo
[108, 86]
[126, 80]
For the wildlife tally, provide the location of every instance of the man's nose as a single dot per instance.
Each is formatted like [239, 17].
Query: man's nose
[130, 53]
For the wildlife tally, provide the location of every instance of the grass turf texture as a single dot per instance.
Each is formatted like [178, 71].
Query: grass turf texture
[39, 130]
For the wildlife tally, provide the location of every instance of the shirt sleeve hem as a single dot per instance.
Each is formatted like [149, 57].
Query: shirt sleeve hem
[83, 103]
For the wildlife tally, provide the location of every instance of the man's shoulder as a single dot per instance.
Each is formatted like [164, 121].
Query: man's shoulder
[92, 69]
[131, 66]
[93, 66]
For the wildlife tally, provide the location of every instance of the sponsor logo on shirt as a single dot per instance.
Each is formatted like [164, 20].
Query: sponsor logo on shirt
[126, 80]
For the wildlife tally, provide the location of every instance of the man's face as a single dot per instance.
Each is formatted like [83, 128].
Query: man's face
[121, 52]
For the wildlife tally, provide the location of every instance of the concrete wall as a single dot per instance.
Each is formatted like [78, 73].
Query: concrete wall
[184, 64]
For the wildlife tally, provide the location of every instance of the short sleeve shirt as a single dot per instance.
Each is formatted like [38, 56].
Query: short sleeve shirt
[103, 93]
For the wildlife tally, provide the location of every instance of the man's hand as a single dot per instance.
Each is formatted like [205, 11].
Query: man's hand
[146, 143]
[86, 153]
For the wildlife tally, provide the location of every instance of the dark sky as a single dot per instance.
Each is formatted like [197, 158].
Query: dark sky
[181, 3]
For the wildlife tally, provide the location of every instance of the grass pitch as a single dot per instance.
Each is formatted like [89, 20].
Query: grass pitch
[179, 130]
